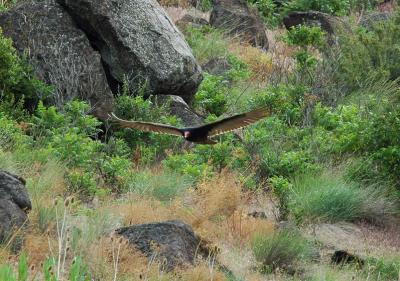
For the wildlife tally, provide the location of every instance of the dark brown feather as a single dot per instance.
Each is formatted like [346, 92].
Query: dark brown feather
[236, 122]
[147, 126]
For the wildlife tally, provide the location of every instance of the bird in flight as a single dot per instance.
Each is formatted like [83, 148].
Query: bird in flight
[199, 134]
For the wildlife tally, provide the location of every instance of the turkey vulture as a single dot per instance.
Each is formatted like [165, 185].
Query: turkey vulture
[200, 134]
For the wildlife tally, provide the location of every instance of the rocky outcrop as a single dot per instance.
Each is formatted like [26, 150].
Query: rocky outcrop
[60, 52]
[138, 44]
[14, 204]
[235, 17]
[173, 243]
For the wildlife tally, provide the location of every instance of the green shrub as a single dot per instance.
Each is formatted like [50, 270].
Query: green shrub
[17, 81]
[239, 70]
[268, 11]
[282, 249]
[211, 97]
[382, 269]
[151, 146]
[188, 164]
[329, 198]
[333, 7]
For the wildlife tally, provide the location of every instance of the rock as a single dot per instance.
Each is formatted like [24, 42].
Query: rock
[173, 242]
[369, 20]
[14, 204]
[216, 66]
[258, 215]
[59, 51]
[237, 19]
[181, 109]
[330, 24]
[341, 257]
[191, 20]
[138, 43]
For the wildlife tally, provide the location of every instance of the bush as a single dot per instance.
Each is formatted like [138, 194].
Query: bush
[280, 250]
[333, 7]
[17, 81]
[383, 269]
[211, 97]
[329, 198]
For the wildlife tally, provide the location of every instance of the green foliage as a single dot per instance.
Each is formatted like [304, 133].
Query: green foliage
[383, 269]
[18, 84]
[369, 54]
[205, 5]
[279, 250]
[149, 146]
[188, 164]
[268, 11]
[304, 35]
[239, 70]
[211, 96]
[77, 272]
[207, 43]
[329, 198]
[281, 188]
[333, 7]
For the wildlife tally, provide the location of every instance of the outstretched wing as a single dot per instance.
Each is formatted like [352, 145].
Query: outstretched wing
[235, 122]
[147, 126]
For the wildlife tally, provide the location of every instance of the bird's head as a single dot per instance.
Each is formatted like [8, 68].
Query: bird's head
[186, 134]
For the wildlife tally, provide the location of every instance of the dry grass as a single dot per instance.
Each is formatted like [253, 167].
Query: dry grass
[175, 3]
[259, 62]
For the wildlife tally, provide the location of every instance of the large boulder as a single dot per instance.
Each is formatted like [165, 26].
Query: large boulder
[60, 52]
[173, 243]
[14, 204]
[237, 19]
[139, 44]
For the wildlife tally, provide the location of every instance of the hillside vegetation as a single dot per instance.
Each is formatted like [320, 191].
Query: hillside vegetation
[329, 152]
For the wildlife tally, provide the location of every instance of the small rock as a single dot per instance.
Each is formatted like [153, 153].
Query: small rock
[341, 257]
[173, 243]
[258, 215]
[216, 66]
[14, 205]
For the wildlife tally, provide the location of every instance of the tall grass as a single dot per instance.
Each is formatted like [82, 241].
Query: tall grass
[329, 198]
[280, 250]
[162, 186]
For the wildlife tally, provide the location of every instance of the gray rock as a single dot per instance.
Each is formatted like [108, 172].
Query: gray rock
[59, 51]
[173, 243]
[181, 109]
[191, 20]
[217, 66]
[137, 40]
[237, 19]
[14, 204]
[369, 20]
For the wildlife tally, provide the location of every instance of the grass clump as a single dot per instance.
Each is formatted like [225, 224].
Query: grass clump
[282, 249]
[329, 198]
